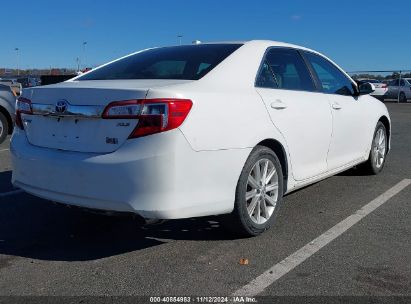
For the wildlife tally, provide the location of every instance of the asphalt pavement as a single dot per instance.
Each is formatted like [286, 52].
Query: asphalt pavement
[49, 249]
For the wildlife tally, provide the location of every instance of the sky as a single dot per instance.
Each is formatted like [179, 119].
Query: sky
[358, 35]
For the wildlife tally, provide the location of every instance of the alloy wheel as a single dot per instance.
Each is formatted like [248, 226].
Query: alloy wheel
[1, 128]
[379, 148]
[262, 191]
[402, 97]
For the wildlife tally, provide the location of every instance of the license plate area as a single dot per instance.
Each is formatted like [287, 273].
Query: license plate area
[77, 133]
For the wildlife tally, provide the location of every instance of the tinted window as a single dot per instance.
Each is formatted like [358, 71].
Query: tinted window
[393, 83]
[331, 78]
[189, 62]
[402, 82]
[284, 69]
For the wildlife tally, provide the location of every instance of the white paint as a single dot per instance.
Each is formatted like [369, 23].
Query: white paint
[193, 170]
[260, 283]
[4, 150]
[11, 193]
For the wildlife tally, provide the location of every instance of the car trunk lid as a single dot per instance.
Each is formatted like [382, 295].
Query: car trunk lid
[67, 116]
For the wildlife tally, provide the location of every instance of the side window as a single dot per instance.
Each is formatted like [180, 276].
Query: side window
[393, 83]
[331, 78]
[266, 78]
[402, 82]
[284, 69]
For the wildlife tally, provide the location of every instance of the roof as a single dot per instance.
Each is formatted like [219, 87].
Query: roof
[262, 43]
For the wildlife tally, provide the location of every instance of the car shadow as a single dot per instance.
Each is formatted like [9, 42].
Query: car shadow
[35, 228]
[5, 182]
[355, 171]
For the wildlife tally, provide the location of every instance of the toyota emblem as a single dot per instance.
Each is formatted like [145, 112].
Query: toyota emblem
[61, 106]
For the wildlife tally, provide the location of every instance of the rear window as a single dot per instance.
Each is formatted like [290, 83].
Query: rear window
[189, 62]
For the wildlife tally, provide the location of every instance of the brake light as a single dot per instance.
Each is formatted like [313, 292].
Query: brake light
[154, 115]
[23, 106]
[384, 86]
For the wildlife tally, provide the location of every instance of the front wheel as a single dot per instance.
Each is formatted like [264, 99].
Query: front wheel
[378, 153]
[259, 194]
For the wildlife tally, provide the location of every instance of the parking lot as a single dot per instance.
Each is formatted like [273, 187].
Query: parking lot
[49, 249]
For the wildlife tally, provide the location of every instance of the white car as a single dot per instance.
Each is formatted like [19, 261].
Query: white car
[380, 90]
[197, 130]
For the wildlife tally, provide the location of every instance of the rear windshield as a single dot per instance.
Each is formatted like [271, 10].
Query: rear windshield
[189, 62]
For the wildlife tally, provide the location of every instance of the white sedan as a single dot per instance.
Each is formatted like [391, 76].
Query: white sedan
[196, 130]
[380, 90]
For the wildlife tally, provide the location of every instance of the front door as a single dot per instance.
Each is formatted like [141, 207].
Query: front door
[298, 111]
[349, 117]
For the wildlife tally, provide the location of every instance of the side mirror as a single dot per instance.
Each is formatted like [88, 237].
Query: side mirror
[366, 88]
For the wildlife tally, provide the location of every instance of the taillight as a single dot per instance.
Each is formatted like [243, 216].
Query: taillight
[154, 115]
[384, 86]
[23, 106]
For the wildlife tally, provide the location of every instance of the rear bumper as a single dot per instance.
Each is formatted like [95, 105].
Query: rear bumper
[379, 92]
[156, 176]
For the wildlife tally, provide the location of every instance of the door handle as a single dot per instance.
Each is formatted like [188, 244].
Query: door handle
[336, 106]
[278, 105]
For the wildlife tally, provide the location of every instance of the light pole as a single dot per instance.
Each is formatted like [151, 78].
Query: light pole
[18, 64]
[78, 64]
[179, 39]
[399, 88]
[84, 54]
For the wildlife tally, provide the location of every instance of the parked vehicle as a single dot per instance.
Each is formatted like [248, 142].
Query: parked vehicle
[7, 102]
[28, 82]
[380, 87]
[399, 88]
[13, 84]
[196, 130]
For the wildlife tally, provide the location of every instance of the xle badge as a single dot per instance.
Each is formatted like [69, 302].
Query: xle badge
[111, 140]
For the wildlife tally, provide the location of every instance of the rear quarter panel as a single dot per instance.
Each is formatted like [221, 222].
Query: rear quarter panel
[221, 120]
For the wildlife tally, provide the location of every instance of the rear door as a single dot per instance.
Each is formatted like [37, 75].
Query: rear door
[393, 88]
[300, 113]
[349, 114]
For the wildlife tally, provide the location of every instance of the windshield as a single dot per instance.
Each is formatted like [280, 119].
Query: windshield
[189, 62]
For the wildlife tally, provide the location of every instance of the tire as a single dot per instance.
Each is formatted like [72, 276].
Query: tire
[270, 195]
[402, 97]
[378, 153]
[4, 127]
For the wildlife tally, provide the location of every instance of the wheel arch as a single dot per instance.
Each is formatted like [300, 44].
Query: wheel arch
[385, 121]
[279, 150]
[8, 117]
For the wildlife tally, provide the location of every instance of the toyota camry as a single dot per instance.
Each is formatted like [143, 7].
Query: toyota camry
[223, 128]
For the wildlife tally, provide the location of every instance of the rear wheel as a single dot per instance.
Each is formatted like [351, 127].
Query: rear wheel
[4, 127]
[378, 152]
[259, 194]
